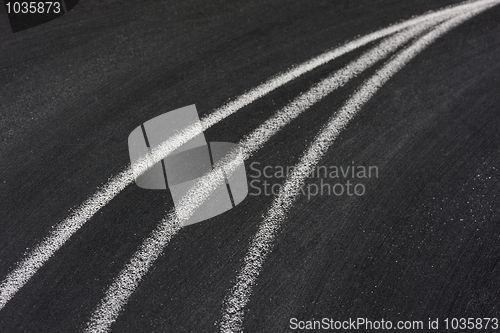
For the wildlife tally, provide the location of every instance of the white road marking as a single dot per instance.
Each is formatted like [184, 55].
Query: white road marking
[128, 280]
[262, 242]
[63, 231]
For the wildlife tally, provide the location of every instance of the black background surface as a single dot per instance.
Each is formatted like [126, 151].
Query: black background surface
[422, 243]
[22, 16]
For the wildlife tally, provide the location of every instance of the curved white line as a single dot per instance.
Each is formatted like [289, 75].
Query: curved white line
[127, 281]
[63, 231]
[262, 242]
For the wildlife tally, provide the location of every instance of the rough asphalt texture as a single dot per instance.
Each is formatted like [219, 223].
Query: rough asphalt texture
[422, 243]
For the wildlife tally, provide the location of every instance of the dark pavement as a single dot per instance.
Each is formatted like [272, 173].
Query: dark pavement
[424, 242]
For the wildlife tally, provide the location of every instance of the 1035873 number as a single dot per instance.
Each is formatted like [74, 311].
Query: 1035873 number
[471, 323]
[33, 7]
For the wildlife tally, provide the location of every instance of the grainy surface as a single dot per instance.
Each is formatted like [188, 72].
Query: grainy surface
[423, 242]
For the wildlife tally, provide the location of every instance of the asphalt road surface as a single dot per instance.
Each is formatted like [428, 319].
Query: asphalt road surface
[422, 242]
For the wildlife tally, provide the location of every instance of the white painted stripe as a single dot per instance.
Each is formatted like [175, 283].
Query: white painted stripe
[328, 56]
[127, 281]
[26, 268]
[262, 242]
[256, 140]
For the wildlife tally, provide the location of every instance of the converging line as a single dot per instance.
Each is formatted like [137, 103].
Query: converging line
[262, 242]
[63, 231]
[129, 278]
